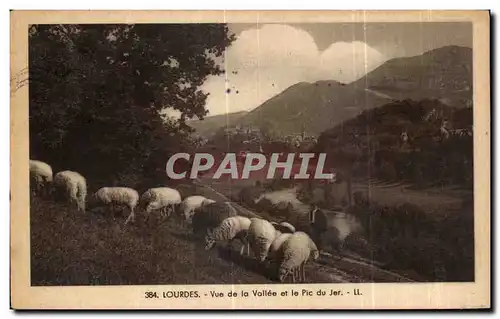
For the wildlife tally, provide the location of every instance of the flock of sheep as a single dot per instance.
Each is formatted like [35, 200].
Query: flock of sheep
[215, 222]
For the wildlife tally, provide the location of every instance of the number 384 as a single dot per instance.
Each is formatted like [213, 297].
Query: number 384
[150, 294]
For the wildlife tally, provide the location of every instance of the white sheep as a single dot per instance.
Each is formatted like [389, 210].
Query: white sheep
[261, 234]
[74, 186]
[192, 203]
[231, 228]
[285, 227]
[296, 251]
[277, 233]
[40, 174]
[276, 253]
[117, 196]
[275, 248]
[164, 199]
[210, 216]
[314, 249]
[276, 227]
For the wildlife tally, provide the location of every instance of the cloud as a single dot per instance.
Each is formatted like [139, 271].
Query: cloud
[263, 62]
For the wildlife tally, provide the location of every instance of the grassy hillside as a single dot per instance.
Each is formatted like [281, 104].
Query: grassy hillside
[70, 248]
[76, 249]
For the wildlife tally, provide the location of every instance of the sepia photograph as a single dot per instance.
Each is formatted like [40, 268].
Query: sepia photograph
[215, 159]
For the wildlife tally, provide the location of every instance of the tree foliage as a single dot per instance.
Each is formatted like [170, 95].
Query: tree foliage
[405, 141]
[98, 93]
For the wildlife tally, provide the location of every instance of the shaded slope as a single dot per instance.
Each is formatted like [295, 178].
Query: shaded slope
[313, 107]
[211, 124]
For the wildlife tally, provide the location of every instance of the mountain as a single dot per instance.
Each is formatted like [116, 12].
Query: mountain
[313, 107]
[444, 74]
[210, 124]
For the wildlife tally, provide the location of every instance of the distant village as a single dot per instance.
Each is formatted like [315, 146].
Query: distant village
[254, 138]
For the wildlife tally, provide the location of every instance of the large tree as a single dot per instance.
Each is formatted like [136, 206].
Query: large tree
[98, 93]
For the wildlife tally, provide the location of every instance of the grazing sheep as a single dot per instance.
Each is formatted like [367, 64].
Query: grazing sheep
[276, 226]
[285, 227]
[261, 234]
[277, 233]
[74, 187]
[328, 228]
[40, 175]
[117, 196]
[231, 228]
[276, 253]
[163, 198]
[296, 251]
[210, 216]
[275, 248]
[192, 203]
[314, 249]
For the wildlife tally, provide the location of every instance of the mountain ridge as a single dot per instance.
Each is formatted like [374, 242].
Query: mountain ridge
[444, 74]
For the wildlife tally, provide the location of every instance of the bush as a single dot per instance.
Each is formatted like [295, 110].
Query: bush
[406, 237]
[428, 157]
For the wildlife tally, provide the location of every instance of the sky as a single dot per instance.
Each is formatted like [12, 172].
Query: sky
[266, 59]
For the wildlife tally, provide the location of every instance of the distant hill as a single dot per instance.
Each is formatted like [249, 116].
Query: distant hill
[210, 124]
[313, 107]
[444, 74]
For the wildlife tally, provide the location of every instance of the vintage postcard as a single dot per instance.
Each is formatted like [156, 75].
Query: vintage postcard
[250, 160]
